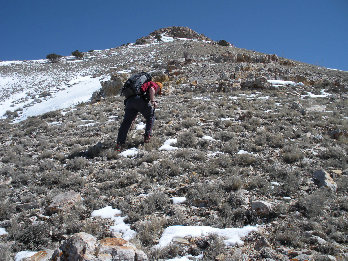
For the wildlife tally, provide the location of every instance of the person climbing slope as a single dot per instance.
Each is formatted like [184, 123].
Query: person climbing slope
[139, 91]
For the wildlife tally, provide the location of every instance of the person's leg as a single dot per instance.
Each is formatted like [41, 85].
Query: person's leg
[149, 114]
[129, 116]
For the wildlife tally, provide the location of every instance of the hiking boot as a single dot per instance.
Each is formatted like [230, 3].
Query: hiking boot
[147, 139]
[119, 147]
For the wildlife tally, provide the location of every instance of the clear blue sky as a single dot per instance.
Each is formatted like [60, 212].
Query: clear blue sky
[311, 31]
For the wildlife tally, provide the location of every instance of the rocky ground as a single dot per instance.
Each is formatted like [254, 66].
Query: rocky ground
[248, 152]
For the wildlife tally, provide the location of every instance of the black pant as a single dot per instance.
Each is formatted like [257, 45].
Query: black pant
[133, 106]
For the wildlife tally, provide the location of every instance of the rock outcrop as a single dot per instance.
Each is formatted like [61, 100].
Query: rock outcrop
[83, 247]
[174, 32]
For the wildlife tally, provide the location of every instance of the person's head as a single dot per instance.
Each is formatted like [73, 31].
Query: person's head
[159, 88]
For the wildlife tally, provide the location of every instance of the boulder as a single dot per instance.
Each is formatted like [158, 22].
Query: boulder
[323, 179]
[261, 208]
[64, 201]
[81, 246]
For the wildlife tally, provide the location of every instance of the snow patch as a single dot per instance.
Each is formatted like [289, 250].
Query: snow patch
[2, 231]
[207, 138]
[213, 154]
[281, 83]
[107, 212]
[78, 90]
[178, 200]
[119, 226]
[140, 126]
[168, 145]
[167, 39]
[24, 254]
[231, 236]
[243, 152]
[130, 152]
[311, 95]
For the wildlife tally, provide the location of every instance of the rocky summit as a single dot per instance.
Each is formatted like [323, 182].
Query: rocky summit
[248, 158]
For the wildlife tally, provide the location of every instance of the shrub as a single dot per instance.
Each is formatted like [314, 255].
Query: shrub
[77, 54]
[206, 195]
[165, 168]
[246, 159]
[149, 231]
[259, 184]
[33, 236]
[140, 41]
[314, 204]
[6, 209]
[289, 235]
[187, 140]
[223, 43]
[54, 58]
[98, 227]
[232, 183]
[155, 202]
[77, 163]
[292, 155]
[158, 37]
[342, 184]
[165, 253]
[213, 247]
[11, 114]
[230, 147]
[225, 136]
[187, 123]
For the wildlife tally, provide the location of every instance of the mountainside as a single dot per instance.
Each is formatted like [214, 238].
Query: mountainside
[241, 140]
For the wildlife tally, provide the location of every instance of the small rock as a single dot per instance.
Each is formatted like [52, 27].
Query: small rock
[323, 179]
[319, 240]
[181, 240]
[268, 253]
[261, 243]
[302, 257]
[325, 257]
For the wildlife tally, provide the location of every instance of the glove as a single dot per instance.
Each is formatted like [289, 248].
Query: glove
[154, 104]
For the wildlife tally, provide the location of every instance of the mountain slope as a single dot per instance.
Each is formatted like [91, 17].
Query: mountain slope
[245, 134]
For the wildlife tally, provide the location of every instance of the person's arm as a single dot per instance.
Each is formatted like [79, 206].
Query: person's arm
[152, 97]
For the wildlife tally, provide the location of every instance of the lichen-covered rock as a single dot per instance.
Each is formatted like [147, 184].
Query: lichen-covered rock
[64, 201]
[83, 247]
[44, 255]
[323, 179]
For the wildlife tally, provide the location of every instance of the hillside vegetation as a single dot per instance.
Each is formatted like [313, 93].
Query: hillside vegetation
[245, 150]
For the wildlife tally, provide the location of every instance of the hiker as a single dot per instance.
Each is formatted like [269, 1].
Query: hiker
[143, 102]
